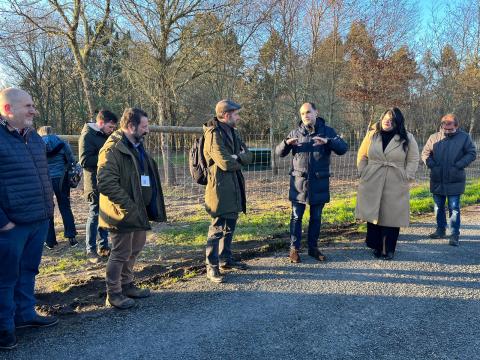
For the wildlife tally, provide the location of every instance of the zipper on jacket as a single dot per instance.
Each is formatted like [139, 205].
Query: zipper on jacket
[25, 141]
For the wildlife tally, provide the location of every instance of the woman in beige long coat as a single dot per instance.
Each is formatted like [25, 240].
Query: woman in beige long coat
[387, 160]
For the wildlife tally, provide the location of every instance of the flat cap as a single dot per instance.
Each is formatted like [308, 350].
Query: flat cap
[224, 106]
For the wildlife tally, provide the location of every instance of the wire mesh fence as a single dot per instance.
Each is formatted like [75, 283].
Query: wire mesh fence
[265, 183]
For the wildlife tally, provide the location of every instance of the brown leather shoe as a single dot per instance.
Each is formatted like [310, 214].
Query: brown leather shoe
[294, 257]
[316, 254]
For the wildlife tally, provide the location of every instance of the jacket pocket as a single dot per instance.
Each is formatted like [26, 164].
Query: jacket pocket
[456, 175]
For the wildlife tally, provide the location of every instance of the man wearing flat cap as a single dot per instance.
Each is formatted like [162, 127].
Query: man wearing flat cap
[447, 153]
[225, 154]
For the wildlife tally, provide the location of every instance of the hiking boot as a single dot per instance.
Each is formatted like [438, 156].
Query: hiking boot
[316, 254]
[453, 240]
[213, 274]
[8, 340]
[119, 301]
[234, 265]
[294, 257]
[104, 252]
[438, 234]
[38, 321]
[73, 242]
[133, 291]
[93, 258]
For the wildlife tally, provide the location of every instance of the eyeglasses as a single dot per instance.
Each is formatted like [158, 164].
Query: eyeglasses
[447, 123]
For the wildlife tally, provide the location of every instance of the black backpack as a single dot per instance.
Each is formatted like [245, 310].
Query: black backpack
[197, 163]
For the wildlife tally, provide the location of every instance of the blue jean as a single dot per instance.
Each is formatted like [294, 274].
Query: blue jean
[92, 226]
[314, 224]
[20, 254]
[219, 241]
[453, 212]
[62, 193]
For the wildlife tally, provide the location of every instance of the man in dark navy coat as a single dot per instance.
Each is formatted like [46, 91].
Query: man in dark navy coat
[311, 144]
[26, 204]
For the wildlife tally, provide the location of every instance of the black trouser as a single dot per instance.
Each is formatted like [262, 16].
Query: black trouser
[377, 234]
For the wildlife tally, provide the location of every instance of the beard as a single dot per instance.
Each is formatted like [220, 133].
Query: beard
[138, 138]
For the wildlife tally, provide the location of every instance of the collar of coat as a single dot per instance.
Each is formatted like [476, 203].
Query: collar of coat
[213, 124]
[393, 144]
[116, 138]
[319, 126]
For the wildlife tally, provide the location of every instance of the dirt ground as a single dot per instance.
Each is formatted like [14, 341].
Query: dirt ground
[68, 284]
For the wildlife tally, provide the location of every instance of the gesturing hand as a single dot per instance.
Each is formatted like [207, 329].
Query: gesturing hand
[7, 227]
[318, 140]
[292, 141]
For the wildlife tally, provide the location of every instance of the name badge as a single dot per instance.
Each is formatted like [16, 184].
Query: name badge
[145, 180]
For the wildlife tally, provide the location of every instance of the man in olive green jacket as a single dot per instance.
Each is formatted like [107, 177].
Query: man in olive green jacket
[130, 196]
[225, 197]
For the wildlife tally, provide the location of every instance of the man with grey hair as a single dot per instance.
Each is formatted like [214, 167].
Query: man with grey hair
[225, 197]
[447, 153]
[26, 204]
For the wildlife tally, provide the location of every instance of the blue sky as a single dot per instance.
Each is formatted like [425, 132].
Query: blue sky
[425, 7]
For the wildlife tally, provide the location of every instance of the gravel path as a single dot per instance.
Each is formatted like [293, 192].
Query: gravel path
[423, 305]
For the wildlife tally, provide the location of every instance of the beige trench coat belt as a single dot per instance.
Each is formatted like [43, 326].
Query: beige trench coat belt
[386, 163]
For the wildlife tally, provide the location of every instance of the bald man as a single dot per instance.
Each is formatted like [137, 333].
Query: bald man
[26, 203]
[311, 145]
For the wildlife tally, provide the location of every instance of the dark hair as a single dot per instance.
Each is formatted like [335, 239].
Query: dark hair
[132, 116]
[399, 122]
[312, 105]
[107, 116]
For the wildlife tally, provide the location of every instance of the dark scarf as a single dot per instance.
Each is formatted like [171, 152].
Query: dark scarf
[387, 136]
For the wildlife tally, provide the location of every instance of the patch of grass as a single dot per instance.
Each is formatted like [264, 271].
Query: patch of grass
[70, 262]
[272, 219]
[421, 200]
[61, 285]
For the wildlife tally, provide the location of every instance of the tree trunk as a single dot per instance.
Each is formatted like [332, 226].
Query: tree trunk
[84, 76]
[168, 169]
[474, 106]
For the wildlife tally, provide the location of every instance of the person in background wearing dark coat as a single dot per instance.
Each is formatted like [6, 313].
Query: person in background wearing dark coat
[60, 159]
[447, 153]
[26, 204]
[91, 140]
[311, 145]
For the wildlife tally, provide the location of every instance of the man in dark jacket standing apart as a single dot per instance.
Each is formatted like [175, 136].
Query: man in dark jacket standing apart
[130, 196]
[447, 153]
[311, 145]
[91, 140]
[26, 204]
[225, 196]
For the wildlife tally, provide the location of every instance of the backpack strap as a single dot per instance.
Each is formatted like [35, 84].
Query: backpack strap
[55, 150]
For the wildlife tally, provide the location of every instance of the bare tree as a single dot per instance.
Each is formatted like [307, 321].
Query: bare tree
[161, 64]
[80, 23]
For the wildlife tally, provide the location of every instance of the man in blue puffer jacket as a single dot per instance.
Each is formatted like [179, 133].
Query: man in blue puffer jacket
[60, 159]
[26, 204]
[311, 145]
